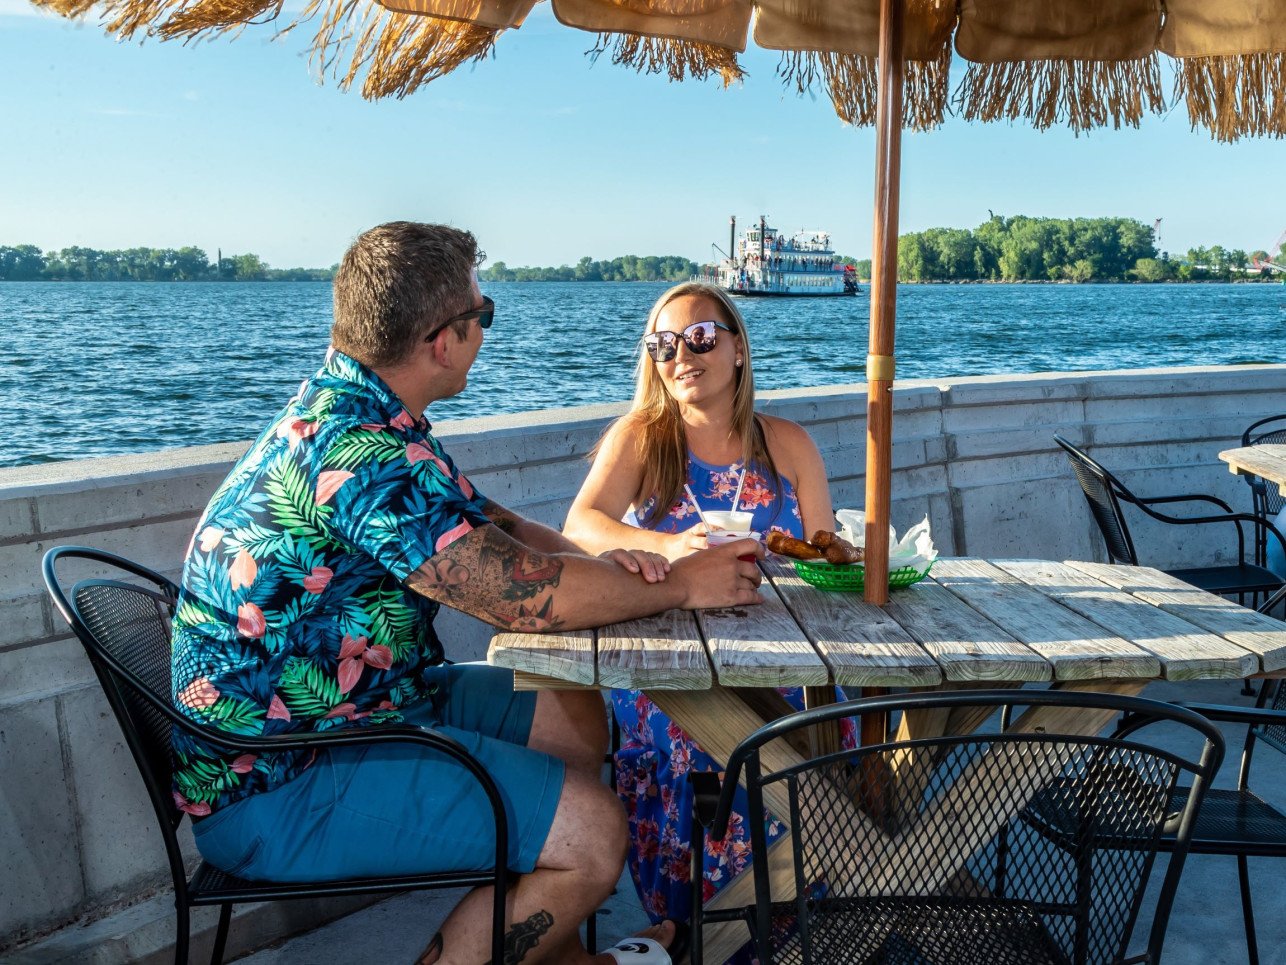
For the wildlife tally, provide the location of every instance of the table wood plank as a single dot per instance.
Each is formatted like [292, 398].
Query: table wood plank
[1267, 461]
[1075, 647]
[1262, 635]
[1186, 652]
[966, 645]
[861, 644]
[761, 646]
[664, 650]
[568, 655]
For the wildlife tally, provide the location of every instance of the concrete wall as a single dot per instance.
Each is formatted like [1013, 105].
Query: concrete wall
[976, 455]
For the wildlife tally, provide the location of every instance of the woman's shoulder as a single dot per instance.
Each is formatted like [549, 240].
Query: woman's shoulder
[782, 433]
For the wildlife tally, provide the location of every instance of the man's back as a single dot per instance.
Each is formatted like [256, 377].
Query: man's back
[293, 613]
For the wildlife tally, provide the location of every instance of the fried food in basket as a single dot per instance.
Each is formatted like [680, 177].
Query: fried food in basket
[841, 551]
[824, 545]
[836, 548]
[785, 545]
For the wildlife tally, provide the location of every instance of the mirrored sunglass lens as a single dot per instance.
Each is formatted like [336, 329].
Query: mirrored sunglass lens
[700, 337]
[661, 346]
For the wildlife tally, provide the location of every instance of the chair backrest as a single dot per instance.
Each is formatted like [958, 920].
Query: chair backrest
[125, 630]
[991, 847]
[1103, 492]
[1267, 498]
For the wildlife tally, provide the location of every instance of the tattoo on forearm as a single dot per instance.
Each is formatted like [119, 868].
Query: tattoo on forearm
[501, 517]
[525, 936]
[490, 575]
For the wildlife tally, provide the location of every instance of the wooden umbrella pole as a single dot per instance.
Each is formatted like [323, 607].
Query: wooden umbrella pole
[884, 293]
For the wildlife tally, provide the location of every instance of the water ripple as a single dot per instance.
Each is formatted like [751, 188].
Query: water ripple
[99, 369]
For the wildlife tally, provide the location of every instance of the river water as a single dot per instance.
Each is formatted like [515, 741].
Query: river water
[92, 368]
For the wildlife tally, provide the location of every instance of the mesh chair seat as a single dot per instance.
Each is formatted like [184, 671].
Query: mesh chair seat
[1236, 578]
[942, 931]
[1030, 848]
[1240, 819]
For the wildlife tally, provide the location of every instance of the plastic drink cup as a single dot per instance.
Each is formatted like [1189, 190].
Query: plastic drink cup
[736, 522]
[721, 536]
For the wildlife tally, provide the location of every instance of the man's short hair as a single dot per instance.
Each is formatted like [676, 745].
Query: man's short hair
[396, 283]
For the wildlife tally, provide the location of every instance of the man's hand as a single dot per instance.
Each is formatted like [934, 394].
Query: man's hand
[653, 566]
[717, 578]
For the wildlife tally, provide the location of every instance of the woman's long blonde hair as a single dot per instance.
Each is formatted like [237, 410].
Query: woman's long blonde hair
[657, 425]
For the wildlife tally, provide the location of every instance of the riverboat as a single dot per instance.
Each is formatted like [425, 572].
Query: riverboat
[766, 262]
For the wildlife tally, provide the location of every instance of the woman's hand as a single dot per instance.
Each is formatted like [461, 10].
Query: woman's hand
[652, 566]
[688, 542]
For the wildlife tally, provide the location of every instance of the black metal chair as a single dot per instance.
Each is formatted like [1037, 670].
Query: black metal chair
[1058, 835]
[125, 629]
[1237, 821]
[1105, 493]
[1266, 498]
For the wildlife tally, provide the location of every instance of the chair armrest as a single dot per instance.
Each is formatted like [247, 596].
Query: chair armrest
[338, 737]
[1254, 716]
[1196, 497]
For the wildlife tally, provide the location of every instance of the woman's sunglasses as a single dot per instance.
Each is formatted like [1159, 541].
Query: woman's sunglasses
[699, 337]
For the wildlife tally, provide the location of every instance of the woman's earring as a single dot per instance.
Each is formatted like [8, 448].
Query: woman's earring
[738, 361]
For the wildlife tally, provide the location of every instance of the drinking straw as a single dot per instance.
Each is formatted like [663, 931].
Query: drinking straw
[696, 505]
[736, 499]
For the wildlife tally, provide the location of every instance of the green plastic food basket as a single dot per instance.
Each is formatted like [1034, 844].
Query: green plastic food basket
[852, 577]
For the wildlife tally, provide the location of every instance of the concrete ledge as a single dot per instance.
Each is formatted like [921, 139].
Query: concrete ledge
[143, 933]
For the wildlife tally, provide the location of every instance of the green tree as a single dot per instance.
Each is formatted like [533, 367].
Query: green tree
[1150, 270]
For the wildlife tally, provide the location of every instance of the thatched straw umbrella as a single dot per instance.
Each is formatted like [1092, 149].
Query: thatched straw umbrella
[1082, 63]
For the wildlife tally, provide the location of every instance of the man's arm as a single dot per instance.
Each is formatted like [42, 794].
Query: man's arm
[533, 534]
[490, 575]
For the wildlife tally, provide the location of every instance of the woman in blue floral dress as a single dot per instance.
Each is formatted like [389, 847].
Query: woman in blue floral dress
[692, 423]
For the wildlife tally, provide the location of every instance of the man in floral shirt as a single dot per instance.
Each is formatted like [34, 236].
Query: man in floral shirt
[308, 600]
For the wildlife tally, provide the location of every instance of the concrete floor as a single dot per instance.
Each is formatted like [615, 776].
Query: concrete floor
[1205, 926]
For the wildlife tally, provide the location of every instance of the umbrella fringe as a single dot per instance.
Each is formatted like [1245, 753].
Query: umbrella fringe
[399, 51]
[677, 58]
[852, 82]
[1236, 95]
[1084, 94]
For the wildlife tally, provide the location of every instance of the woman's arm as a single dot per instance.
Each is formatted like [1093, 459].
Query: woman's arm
[797, 456]
[594, 521]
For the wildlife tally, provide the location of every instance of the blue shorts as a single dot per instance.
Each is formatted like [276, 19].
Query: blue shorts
[398, 808]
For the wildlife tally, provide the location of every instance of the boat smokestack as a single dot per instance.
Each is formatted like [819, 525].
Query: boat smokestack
[763, 229]
[732, 237]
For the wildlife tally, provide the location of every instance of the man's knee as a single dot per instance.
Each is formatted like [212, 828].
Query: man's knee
[590, 833]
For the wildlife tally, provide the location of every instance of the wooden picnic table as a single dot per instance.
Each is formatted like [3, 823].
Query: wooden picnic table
[1265, 461]
[973, 624]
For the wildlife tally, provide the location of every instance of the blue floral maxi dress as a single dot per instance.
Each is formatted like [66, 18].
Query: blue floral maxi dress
[656, 754]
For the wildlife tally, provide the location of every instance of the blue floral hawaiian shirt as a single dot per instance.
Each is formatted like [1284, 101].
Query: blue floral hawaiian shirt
[293, 614]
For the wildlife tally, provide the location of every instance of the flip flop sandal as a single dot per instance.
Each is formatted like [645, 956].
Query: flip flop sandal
[648, 951]
[639, 951]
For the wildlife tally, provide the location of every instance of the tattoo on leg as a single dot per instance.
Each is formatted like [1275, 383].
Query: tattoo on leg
[525, 936]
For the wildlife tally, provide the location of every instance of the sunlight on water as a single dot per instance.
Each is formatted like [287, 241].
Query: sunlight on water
[95, 369]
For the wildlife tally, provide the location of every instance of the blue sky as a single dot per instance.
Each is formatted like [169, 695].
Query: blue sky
[543, 154]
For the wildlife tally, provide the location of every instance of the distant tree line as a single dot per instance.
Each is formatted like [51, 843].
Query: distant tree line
[29, 263]
[1061, 249]
[625, 268]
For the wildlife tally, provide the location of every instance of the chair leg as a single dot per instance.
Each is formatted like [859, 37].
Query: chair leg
[1247, 910]
[221, 934]
[181, 933]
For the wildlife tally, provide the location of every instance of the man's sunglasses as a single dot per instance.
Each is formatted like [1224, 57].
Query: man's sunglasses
[699, 337]
[485, 315]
